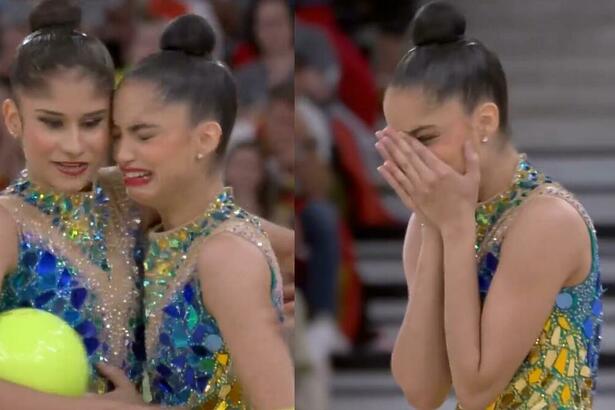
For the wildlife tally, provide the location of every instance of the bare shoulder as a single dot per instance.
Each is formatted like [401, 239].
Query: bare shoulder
[550, 229]
[550, 216]
[227, 257]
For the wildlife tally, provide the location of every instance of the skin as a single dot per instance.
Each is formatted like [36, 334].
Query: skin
[274, 35]
[76, 131]
[69, 121]
[442, 172]
[273, 27]
[66, 122]
[159, 137]
[245, 172]
[280, 133]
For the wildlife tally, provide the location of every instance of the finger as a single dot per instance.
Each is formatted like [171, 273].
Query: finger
[379, 134]
[427, 157]
[382, 150]
[401, 160]
[397, 187]
[421, 170]
[115, 374]
[472, 165]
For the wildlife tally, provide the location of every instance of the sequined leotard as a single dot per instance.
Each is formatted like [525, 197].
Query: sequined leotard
[560, 369]
[188, 362]
[76, 260]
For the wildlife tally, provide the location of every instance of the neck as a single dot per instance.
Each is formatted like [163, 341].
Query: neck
[189, 204]
[497, 172]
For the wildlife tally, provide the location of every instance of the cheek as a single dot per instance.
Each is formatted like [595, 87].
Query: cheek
[450, 151]
[37, 144]
[166, 156]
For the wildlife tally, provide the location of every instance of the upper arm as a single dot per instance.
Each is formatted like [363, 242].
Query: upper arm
[412, 247]
[236, 283]
[9, 238]
[547, 245]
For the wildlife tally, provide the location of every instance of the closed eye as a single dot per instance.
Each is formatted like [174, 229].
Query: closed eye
[424, 139]
[92, 123]
[51, 123]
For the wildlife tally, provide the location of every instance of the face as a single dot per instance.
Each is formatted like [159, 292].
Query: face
[245, 169]
[64, 131]
[273, 26]
[312, 83]
[156, 150]
[442, 127]
[280, 132]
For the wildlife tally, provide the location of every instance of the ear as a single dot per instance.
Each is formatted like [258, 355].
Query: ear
[12, 119]
[207, 136]
[486, 119]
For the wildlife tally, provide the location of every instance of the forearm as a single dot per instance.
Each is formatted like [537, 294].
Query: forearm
[16, 397]
[282, 240]
[419, 361]
[462, 310]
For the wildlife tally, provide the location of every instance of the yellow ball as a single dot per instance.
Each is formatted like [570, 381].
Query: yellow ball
[41, 351]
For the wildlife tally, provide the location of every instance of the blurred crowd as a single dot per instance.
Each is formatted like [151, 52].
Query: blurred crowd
[345, 54]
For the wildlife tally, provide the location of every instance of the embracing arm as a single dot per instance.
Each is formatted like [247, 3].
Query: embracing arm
[17, 397]
[546, 246]
[419, 362]
[283, 243]
[236, 284]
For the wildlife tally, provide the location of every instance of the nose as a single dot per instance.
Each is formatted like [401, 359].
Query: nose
[123, 152]
[72, 143]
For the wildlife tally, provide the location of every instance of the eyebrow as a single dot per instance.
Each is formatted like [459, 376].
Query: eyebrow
[415, 131]
[59, 114]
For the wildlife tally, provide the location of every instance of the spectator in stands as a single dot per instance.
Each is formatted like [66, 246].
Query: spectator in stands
[277, 134]
[270, 32]
[245, 172]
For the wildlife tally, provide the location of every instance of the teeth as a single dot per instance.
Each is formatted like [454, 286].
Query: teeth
[137, 174]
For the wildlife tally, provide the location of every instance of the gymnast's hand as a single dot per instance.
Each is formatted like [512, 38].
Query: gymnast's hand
[437, 191]
[124, 392]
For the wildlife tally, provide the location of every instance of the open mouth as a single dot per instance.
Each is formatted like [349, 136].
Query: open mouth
[136, 177]
[72, 169]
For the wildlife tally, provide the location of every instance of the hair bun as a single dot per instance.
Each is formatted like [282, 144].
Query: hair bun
[437, 23]
[62, 14]
[191, 34]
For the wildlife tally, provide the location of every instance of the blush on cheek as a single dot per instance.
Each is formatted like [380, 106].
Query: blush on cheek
[38, 146]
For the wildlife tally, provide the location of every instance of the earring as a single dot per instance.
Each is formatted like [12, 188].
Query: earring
[199, 156]
[485, 139]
